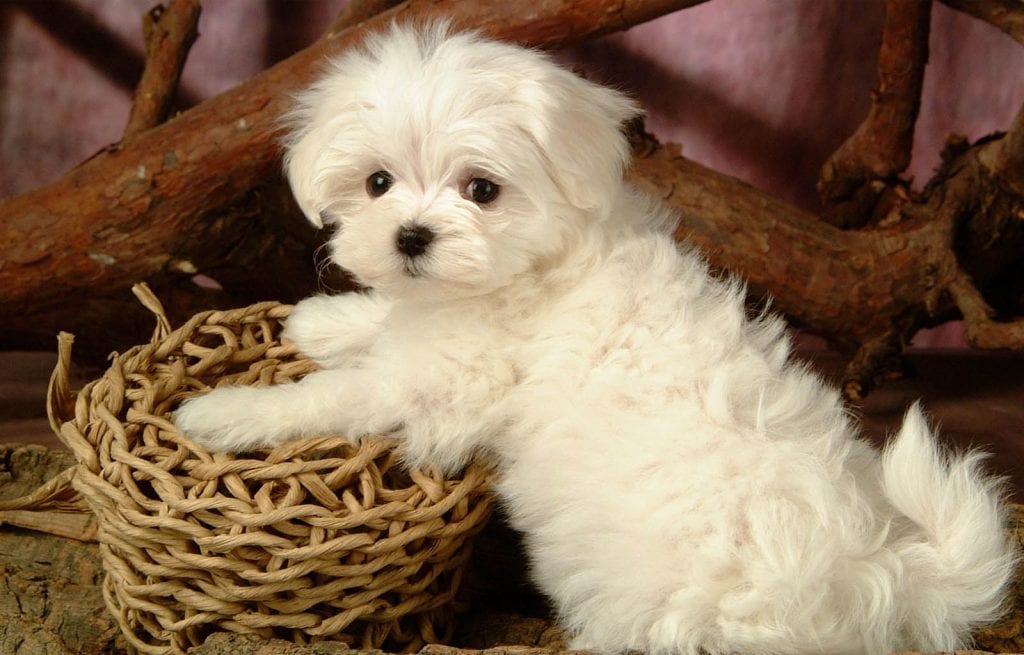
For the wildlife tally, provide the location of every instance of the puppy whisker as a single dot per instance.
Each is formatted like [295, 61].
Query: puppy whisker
[323, 263]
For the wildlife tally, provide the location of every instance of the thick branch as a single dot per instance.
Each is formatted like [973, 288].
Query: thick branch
[981, 329]
[1007, 15]
[204, 189]
[999, 212]
[357, 11]
[833, 282]
[868, 290]
[851, 180]
[989, 253]
[169, 34]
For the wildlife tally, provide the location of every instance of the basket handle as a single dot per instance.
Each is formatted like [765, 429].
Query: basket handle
[149, 300]
[55, 507]
[60, 399]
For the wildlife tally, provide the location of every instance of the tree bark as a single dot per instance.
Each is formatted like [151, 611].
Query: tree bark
[864, 167]
[169, 33]
[203, 193]
[357, 11]
[868, 290]
[51, 601]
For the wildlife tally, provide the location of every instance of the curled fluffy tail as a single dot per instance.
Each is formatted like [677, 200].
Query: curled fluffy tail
[958, 565]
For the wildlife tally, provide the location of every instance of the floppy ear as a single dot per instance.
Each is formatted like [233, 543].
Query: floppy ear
[582, 136]
[302, 152]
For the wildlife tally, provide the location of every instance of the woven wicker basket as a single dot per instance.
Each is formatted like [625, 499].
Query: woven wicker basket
[317, 539]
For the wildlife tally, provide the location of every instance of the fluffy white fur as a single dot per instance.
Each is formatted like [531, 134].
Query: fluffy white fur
[683, 486]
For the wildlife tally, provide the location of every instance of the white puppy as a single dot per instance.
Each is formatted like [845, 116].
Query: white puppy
[682, 486]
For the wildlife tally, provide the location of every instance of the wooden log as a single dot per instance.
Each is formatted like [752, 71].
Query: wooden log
[203, 192]
[868, 290]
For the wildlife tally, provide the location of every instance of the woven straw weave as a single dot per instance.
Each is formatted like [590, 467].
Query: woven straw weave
[316, 539]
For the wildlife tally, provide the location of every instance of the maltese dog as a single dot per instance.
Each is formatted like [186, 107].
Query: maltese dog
[682, 485]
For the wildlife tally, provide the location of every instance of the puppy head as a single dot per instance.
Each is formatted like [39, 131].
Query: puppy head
[449, 163]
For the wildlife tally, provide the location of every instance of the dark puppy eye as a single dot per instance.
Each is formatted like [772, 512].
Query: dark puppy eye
[481, 190]
[379, 183]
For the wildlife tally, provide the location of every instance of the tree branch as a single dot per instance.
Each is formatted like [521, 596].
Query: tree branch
[854, 177]
[981, 329]
[169, 33]
[867, 290]
[203, 192]
[357, 11]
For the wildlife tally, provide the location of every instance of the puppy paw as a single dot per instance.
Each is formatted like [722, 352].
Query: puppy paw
[330, 329]
[230, 419]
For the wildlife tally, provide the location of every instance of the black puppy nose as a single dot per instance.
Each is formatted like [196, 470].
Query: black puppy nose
[414, 239]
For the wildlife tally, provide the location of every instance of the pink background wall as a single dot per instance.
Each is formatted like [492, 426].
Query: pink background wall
[761, 89]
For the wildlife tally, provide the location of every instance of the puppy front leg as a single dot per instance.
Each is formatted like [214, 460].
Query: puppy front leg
[233, 419]
[330, 329]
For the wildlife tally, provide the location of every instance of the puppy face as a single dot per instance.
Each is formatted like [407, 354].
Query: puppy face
[447, 164]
